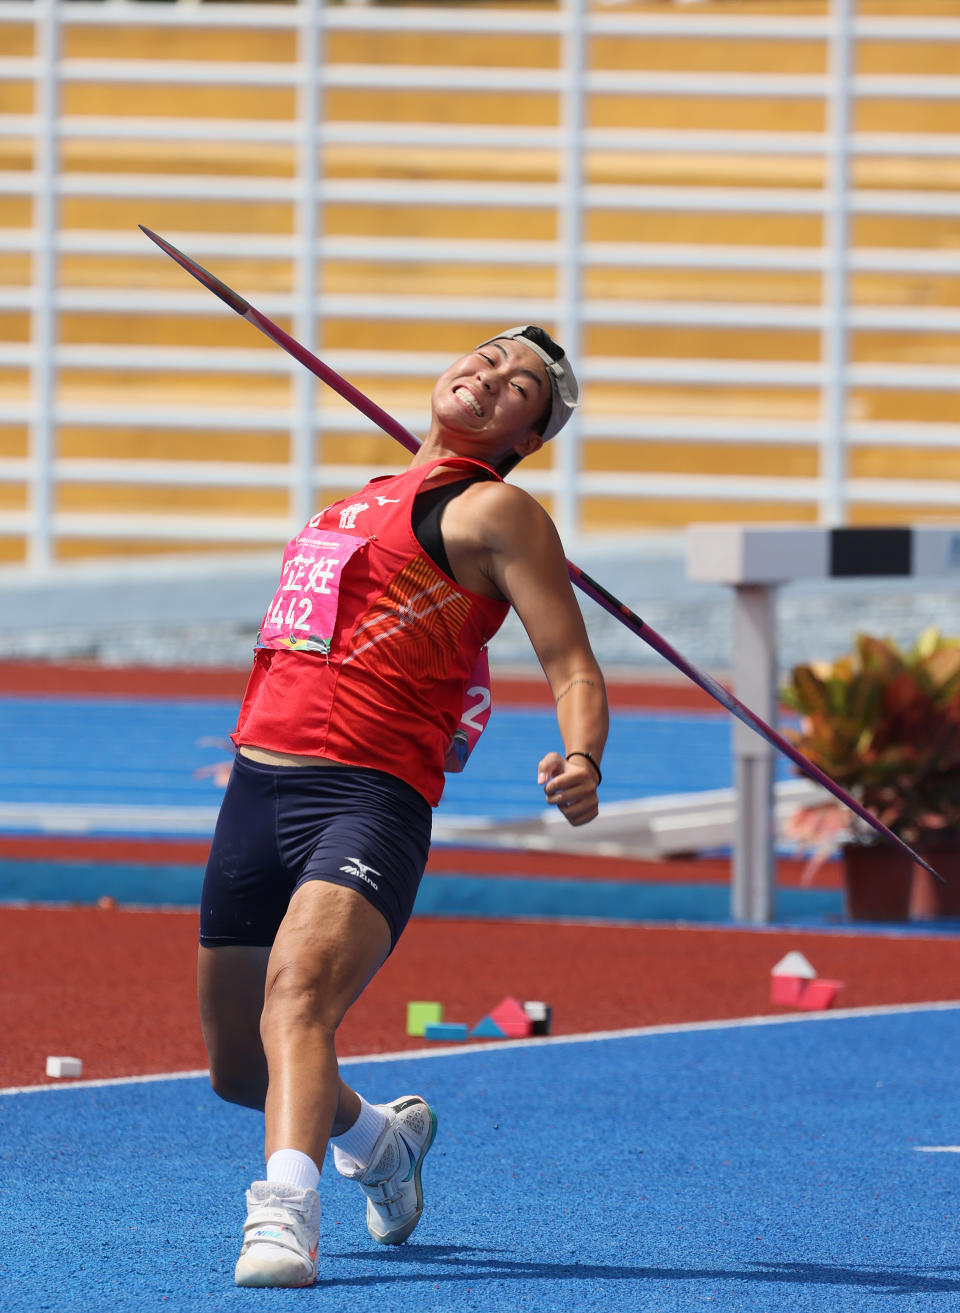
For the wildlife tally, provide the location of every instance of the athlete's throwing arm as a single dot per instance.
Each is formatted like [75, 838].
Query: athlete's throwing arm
[501, 542]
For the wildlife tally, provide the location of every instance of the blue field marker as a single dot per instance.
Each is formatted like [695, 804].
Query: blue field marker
[451, 1030]
[487, 1028]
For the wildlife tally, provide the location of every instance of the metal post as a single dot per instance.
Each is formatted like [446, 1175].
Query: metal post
[40, 550]
[304, 461]
[836, 292]
[570, 273]
[754, 671]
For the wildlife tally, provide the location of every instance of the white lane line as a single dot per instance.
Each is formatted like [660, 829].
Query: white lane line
[100, 1084]
[937, 1148]
[588, 1037]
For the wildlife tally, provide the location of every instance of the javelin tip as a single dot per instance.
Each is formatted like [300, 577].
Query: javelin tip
[927, 867]
[225, 293]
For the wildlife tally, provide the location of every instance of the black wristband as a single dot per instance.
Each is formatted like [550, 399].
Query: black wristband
[592, 763]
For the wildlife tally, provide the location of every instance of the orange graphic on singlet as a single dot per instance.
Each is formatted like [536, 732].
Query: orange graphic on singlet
[420, 607]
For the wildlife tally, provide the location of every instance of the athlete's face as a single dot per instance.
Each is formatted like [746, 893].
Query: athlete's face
[494, 397]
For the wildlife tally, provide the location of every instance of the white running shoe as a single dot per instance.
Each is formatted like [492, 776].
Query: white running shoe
[392, 1180]
[281, 1236]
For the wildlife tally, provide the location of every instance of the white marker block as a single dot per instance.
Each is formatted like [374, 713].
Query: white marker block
[794, 964]
[64, 1067]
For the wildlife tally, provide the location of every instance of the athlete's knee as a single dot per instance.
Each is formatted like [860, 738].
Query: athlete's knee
[303, 993]
[234, 1084]
[238, 1065]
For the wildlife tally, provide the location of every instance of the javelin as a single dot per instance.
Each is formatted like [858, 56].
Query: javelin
[583, 581]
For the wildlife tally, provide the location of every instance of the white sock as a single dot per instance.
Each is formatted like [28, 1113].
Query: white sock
[291, 1167]
[358, 1143]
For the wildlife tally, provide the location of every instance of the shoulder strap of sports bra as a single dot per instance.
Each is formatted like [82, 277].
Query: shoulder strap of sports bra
[428, 507]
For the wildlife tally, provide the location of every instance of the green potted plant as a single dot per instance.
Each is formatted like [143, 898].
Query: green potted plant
[885, 723]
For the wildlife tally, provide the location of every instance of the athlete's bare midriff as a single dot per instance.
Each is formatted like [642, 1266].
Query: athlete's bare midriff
[270, 758]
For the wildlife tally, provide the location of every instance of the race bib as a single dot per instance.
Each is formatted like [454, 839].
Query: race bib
[473, 720]
[303, 612]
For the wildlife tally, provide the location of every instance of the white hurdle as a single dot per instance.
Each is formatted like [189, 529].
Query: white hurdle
[754, 560]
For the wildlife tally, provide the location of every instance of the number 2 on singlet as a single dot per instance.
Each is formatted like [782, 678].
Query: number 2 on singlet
[473, 718]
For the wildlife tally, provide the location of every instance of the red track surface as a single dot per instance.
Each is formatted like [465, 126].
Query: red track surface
[36, 678]
[115, 987]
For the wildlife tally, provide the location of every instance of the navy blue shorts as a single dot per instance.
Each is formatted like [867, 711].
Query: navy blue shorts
[280, 826]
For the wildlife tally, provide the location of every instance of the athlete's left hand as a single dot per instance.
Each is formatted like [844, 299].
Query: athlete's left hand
[569, 785]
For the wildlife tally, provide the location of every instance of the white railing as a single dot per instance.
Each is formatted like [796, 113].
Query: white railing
[828, 370]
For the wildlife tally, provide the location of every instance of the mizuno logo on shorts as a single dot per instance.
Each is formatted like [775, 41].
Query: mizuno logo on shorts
[360, 871]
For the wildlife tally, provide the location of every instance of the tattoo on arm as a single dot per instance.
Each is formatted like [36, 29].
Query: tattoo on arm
[573, 683]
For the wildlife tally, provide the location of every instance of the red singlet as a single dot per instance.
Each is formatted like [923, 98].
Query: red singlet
[366, 649]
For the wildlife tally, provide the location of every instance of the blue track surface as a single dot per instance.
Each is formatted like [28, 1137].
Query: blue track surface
[148, 752]
[496, 895]
[772, 1167]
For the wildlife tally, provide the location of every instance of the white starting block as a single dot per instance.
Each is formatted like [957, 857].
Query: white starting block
[754, 560]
